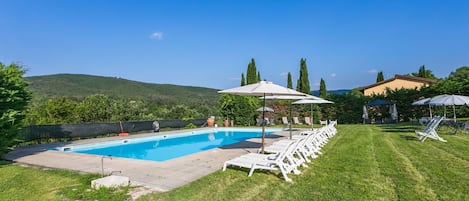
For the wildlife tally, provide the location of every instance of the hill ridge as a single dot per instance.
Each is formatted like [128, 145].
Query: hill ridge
[81, 85]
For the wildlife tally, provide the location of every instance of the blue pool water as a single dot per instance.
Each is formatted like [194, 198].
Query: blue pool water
[162, 148]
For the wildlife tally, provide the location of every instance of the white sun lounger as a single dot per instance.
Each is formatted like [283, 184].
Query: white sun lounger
[296, 121]
[308, 121]
[255, 161]
[430, 130]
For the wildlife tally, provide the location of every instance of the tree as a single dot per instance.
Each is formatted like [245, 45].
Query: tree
[14, 99]
[182, 112]
[322, 89]
[303, 81]
[60, 110]
[241, 109]
[456, 83]
[251, 75]
[380, 76]
[258, 76]
[424, 73]
[95, 108]
[243, 81]
[289, 81]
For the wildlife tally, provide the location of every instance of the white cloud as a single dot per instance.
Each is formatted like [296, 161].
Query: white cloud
[373, 71]
[157, 36]
[284, 74]
[333, 74]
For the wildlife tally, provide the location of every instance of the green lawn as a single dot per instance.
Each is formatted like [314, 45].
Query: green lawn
[362, 162]
[28, 183]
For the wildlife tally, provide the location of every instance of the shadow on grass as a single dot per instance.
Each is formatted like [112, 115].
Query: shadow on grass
[257, 171]
[409, 137]
[4, 163]
[395, 128]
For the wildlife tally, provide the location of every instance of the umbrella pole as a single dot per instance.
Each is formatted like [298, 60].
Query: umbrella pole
[289, 102]
[263, 129]
[454, 113]
[445, 111]
[430, 107]
[312, 120]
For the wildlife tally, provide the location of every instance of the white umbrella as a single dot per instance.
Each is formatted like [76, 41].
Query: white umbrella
[289, 97]
[365, 114]
[267, 109]
[450, 100]
[394, 114]
[424, 101]
[312, 100]
[262, 88]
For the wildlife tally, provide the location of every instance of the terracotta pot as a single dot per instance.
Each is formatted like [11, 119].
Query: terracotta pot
[210, 122]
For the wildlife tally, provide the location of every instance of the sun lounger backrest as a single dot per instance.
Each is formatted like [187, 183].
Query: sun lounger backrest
[308, 120]
[288, 150]
[433, 124]
[285, 120]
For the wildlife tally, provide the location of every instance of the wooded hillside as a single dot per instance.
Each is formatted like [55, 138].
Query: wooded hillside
[80, 86]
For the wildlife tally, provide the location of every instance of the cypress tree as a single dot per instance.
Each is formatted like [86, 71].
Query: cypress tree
[289, 81]
[422, 71]
[251, 75]
[380, 77]
[258, 76]
[322, 89]
[243, 81]
[303, 80]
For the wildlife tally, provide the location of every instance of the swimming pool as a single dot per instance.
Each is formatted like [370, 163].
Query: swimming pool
[166, 147]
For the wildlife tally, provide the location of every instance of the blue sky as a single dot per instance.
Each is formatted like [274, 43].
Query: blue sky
[210, 43]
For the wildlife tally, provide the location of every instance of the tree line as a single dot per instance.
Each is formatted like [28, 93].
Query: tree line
[16, 108]
[101, 108]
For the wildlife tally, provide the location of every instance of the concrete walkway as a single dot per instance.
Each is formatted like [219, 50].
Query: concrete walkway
[159, 176]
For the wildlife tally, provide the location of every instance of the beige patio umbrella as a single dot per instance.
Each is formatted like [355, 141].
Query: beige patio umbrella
[262, 88]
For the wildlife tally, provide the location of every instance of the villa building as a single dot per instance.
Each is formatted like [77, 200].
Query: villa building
[397, 82]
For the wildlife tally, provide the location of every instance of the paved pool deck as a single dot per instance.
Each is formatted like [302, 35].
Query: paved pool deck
[158, 176]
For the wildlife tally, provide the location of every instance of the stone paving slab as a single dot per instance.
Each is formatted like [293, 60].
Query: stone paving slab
[159, 176]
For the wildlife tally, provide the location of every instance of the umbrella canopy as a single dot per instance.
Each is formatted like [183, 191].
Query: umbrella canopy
[450, 100]
[393, 111]
[424, 101]
[312, 101]
[365, 114]
[262, 88]
[266, 109]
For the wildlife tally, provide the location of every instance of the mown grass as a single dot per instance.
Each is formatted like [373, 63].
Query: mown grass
[29, 183]
[363, 162]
